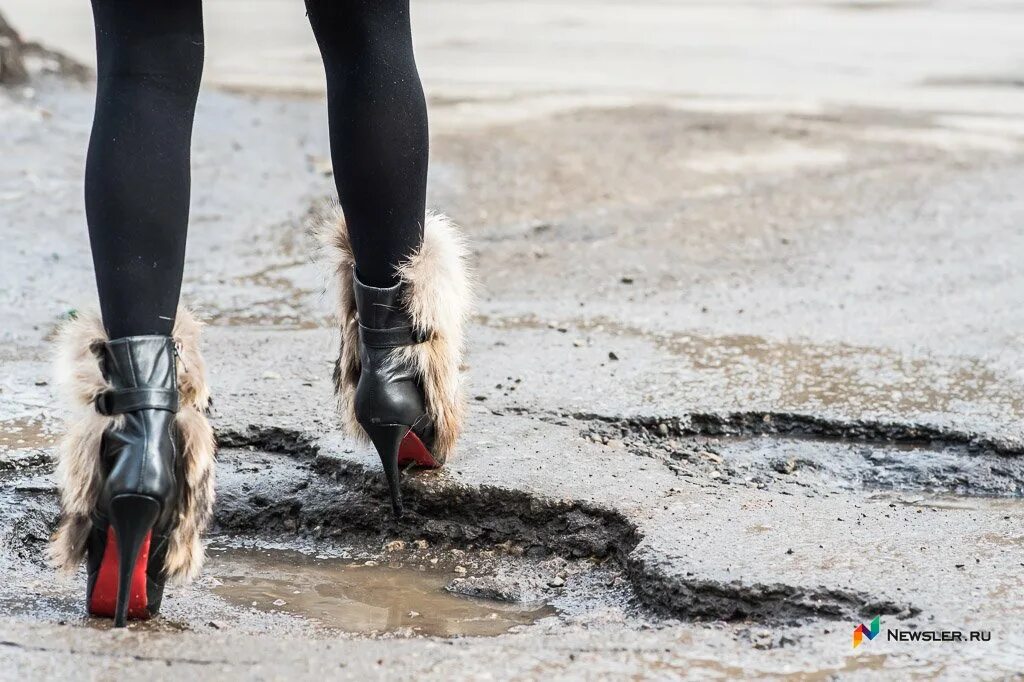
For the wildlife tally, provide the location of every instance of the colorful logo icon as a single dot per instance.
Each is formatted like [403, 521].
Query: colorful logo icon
[860, 632]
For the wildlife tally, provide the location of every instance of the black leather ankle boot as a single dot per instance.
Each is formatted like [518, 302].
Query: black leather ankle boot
[139, 455]
[398, 375]
[136, 466]
[389, 400]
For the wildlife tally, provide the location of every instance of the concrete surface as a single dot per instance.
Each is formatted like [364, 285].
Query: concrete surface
[745, 372]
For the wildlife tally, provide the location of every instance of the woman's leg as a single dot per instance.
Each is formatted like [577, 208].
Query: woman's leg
[149, 64]
[137, 471]
[397, 374]
[378, 123]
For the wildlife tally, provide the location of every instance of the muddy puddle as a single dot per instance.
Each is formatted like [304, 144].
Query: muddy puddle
[20, 434]
[364, 598]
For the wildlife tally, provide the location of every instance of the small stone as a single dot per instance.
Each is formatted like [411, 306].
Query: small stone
[784, 466]
[626, 280]
[663, 429]
[394, 546]
[556, 582]
[279, 602]
[413, 614]
[218, 625]
[612, 355]
[420, 544]
[271, 375]
[713, 456]
[371, 562]
[461, 570]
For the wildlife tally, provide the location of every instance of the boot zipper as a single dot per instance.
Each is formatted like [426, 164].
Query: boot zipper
[177, 354]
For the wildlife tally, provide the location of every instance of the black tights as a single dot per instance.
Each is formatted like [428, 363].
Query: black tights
[137, 179]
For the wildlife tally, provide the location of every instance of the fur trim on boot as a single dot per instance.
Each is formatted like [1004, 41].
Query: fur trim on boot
[438, 295]
[79, 471]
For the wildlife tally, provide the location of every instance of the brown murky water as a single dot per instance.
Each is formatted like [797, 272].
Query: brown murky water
[362, 599]
[19, 434]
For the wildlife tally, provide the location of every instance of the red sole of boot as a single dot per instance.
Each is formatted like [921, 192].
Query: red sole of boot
[104, 591]
[413, 451]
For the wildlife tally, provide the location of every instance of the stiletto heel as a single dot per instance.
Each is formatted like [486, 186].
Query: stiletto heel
[132, 518]
[387, 438]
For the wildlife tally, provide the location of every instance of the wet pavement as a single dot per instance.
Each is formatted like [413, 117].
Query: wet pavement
[745, 371]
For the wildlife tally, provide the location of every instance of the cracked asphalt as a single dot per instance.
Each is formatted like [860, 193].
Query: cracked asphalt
[746, 368]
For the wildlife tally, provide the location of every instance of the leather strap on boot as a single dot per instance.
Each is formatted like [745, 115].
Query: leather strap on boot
[124, 400]
[393, 337]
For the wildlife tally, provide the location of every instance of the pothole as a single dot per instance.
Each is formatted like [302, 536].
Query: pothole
[465, 561]
[808, 460]
[481, 560]
[324, 497]
[367, 598]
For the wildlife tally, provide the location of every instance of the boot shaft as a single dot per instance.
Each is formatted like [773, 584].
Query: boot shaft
[388, 391]
[140, 449]
[140, 362]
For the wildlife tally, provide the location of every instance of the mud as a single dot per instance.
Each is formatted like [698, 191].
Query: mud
[713, 600]
[748, 448]
[325, 499]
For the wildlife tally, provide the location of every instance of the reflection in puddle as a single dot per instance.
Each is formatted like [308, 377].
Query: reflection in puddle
[360, 599]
